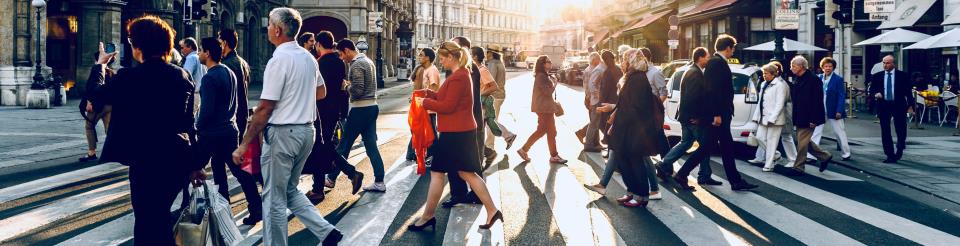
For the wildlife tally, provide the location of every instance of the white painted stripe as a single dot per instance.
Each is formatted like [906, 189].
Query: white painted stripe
[40, 185]
[44, 148]
[568, 201]
[41, 134]
[371, 216]
[690, 225]
[63, 208]
[797, 226]
[882, 219]
[13, 163]
[494, 235]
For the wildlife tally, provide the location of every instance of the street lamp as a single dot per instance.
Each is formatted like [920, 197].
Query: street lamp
[380, 69]
[37, 77]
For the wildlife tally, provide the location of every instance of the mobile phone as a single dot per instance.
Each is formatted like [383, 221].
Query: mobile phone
[110, 47]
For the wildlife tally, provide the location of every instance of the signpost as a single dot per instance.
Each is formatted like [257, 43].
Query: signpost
[673, 34]
[375, 22]
[786, 15]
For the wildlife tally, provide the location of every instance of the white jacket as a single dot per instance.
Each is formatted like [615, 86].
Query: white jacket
[775, 96]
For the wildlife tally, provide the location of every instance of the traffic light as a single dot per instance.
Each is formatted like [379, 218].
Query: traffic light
[827, 15]
[844, 12]
[213, 8]
[198, 13]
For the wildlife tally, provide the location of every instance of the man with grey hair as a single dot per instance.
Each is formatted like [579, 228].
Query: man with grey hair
[808, 113]
[589, 135]
[292, 85]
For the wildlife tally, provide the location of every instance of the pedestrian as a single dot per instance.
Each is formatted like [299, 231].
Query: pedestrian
[808, 113]
[589, 134]
[719, 79]
[658, 85]
[786, 131]
[459, 191]
[217, 128]
[94, 108]
[332, 109]
[609, 87]
[770, 116]
[835, 101]
[545, 106]
[285, 115]
[456, 144]
[151, 128]
[191, 62]
[361, 83]
[241, 70]
[693, 95]
[494, 63]
[488, 86]
[426, 76]
[891, 89]
[637, 120]
[308, 41]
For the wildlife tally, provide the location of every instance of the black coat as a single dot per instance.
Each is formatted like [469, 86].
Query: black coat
[903, 91]
[638, 120]
[241, 70]
[152, 121]
[608, 84]
[807, 96]
[337, 103]
[693, 96]
[719, 78]
[99, 75]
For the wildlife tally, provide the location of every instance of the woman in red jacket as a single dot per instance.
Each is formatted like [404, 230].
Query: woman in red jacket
[456, 147]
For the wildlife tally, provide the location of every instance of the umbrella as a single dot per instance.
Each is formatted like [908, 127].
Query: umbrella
[947, 39]
[897, 36]
[788, 45]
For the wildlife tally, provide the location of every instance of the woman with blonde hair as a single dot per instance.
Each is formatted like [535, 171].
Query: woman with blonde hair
[455, 149]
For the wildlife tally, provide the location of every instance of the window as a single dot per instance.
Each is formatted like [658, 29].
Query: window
[722, 26]
[22, 37]
[705, 34]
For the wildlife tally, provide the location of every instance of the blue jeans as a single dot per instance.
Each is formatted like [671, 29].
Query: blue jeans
[362, 122]
[612, 165]
[690, 135]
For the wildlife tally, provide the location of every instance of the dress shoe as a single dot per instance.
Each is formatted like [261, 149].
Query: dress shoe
[316, 197]
[682, 183]
[252, 220]
[743, 185]
[581, 135]
[523, 155]
[664, 176]
[890, 160]
[451, 203]
[825, 163]
[356, 181]
[846, 158]
[333, 238]
[558, 160]
[709, 181]
[88, 158]
[755, 162]
[432, 223]
[634, 203]
[493, 220]
[625, 198]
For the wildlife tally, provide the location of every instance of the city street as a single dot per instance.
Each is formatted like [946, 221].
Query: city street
[48, 199]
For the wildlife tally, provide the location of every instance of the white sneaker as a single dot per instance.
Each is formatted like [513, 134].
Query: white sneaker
[376, 187]
[656, 196]
[755, 161]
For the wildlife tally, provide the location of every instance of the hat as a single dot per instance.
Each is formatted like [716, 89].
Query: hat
[494, 48]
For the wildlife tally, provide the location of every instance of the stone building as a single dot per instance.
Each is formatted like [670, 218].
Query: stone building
[508, 24]
[438, 20]
[71, 29]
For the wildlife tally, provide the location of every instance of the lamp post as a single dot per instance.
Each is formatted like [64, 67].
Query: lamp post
[37, 77]
[380, 69]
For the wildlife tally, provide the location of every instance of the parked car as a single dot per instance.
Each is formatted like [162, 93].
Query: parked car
[746, 79]
[572, 72]
[531, 61]
[670, 67]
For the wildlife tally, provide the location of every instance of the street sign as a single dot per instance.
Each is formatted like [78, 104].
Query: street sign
[877, 16]
[786, 15]
[375, 22]
[673, 34]
[879, 6]
[673, 43]
[673, 20]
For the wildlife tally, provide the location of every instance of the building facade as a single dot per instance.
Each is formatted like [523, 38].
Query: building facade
[508, 24]
[437, 21]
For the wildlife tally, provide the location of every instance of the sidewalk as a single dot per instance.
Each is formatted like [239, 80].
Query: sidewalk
[931, 162]
[32, 139]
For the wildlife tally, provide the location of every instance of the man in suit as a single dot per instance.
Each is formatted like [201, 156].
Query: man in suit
[690, 116]
[835, 93]
[808, 113]
[892, 90]
[719, 80]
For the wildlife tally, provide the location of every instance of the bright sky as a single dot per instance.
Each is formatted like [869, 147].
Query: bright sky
[551, 8]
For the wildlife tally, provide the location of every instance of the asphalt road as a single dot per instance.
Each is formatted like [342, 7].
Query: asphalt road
[543, 204]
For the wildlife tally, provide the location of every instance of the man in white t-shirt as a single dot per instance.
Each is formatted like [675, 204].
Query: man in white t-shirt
[291, 87]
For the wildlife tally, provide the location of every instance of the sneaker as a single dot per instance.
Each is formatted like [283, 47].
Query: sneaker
[510, 140]
[755, 162]
[634, 203]
[625, 198]
[557, 160]
[656, 196]
[768, 169]
[376, 187]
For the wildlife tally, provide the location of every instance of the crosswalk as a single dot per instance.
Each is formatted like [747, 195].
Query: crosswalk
[543, 204]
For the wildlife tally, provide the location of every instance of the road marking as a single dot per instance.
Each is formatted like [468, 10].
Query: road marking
[13, 163]
[830, 175]
[882, 219]
[44, 184]
[797, 226]
[690, 225]
[370, 217]
[61, 209]
[41, 134]
[44, 148]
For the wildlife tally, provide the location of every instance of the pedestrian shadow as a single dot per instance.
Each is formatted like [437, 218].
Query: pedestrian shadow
[536, 230]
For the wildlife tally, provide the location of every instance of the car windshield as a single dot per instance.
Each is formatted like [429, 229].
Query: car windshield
[741, 82]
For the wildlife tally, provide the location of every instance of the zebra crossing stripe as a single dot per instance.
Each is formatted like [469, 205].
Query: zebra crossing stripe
[60, 209]
[881, 219]
[33, 187]
[368, 219]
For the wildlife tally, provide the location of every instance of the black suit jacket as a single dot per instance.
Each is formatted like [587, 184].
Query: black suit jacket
[807, 96]
[152, 121]
[719, 79]
[336, 104]
[692, 96]
[608, 84]
[903, 91]
[241, 70]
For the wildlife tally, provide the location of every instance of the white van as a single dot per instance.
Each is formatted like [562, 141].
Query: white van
[746, 79]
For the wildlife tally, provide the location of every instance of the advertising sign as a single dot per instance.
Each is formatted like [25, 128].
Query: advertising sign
[786, 15]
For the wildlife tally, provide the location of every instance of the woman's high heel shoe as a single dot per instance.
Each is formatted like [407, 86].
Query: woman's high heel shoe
[432, 223]
[496, 216]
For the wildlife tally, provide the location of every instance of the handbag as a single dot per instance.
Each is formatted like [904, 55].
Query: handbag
[251, 159]
[224, 230]
[192, 224]
[558, 111]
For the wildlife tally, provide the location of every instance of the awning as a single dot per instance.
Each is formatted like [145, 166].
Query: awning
[647, 20]
[709, 5]
[621, 30]
[788, 45]
[944, 40]
[907, 14]
[953, 19]
[896, 36]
